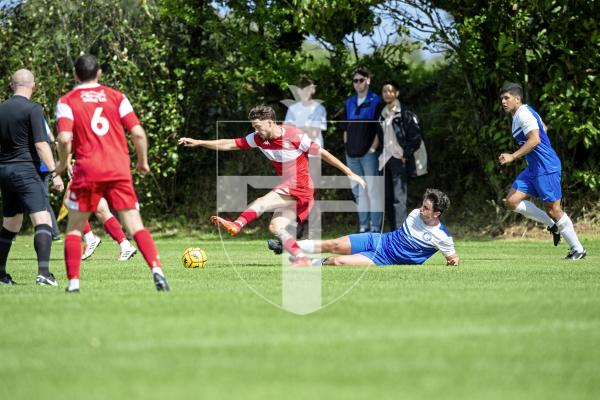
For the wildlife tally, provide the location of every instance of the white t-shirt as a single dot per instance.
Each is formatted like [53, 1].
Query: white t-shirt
[312, 115]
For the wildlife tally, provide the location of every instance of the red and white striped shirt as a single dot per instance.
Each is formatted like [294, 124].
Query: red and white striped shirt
[289, 155]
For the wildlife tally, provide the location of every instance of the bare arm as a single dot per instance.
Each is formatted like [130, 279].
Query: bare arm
[64, 151]
[533, 139]
[140, 142]
[43, 150]
[333, 161]
[220, 144]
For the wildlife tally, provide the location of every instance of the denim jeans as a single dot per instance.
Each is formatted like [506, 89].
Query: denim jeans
[396, 184]
[370, 200]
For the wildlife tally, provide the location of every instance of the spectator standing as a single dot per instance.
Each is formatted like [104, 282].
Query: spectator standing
[310, 116]
[360, 138]
[400, 134]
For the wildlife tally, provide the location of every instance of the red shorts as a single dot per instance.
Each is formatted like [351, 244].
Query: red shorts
[304, 202]
[120, 195]
[303, 207]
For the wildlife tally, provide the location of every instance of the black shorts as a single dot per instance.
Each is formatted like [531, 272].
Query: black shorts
[22, 189]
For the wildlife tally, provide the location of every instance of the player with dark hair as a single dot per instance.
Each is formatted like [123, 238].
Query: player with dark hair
[287, 149]
[542, 177]
[91, 119]
[419, 238]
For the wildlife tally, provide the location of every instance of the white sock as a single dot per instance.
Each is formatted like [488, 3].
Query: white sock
[158, 270]
[533, 212]
[307, 246]
[89, 236]
[125, 244]
[73, 284]
[567, 230]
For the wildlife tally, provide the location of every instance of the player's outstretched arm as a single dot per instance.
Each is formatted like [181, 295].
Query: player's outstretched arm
[220, 144]
[454, 260]
[333, 161]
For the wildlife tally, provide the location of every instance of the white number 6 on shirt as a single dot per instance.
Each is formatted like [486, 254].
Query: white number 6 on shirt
[99, 123]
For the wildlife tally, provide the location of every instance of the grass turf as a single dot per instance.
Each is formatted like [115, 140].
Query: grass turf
[515, 320]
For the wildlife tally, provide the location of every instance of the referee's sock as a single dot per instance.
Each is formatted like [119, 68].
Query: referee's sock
[6, 239]
[42, 242]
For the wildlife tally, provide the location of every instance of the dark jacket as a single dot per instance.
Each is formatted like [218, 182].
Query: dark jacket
[360, 124]
[408, 133]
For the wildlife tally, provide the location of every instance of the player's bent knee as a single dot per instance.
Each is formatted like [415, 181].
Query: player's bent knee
[276, 229]
[511, 203]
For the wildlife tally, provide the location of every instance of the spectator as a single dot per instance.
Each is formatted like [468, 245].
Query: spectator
[400, 135]
[310, 116]
[360, 138]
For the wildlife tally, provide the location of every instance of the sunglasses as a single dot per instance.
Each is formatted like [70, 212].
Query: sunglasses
[358, 80]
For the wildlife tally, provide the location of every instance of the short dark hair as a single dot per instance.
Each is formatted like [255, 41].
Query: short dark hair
[361, 71]
[392, 83]
[86, 67]
[262, 113]
[513, 88]
[305, 81]
[439, 199]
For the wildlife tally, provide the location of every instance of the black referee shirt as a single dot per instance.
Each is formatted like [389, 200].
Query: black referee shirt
[22, 124]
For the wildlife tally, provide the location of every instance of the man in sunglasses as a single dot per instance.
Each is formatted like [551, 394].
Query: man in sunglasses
[360, 128]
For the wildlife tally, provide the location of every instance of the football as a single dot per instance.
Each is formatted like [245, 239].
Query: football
[194, 257]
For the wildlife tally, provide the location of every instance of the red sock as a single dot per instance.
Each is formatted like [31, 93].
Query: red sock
[73, 255]
[292, 247]
[113, 228]
[246, 217]
[87, 228]
[146, 245]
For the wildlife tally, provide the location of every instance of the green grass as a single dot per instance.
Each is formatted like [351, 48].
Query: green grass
[515, 320]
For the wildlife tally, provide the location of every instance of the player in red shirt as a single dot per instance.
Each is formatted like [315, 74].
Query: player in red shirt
[287, 148]
[90, 119]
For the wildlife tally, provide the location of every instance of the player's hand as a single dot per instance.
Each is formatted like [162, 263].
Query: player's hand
[70, 171]
[453, 260]
[57, 183]
[355, 178]
[142, 167]
[187, 142]
[506, 158]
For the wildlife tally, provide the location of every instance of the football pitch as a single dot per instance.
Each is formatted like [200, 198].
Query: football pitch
[514, 321]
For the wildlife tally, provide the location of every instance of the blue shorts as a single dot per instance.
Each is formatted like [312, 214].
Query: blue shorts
[369, 245]
[544, 187]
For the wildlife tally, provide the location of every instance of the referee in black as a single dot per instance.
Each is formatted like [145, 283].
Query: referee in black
[23, 146]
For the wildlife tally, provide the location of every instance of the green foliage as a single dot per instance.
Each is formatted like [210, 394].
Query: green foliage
[46, 36]
[192, 67]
